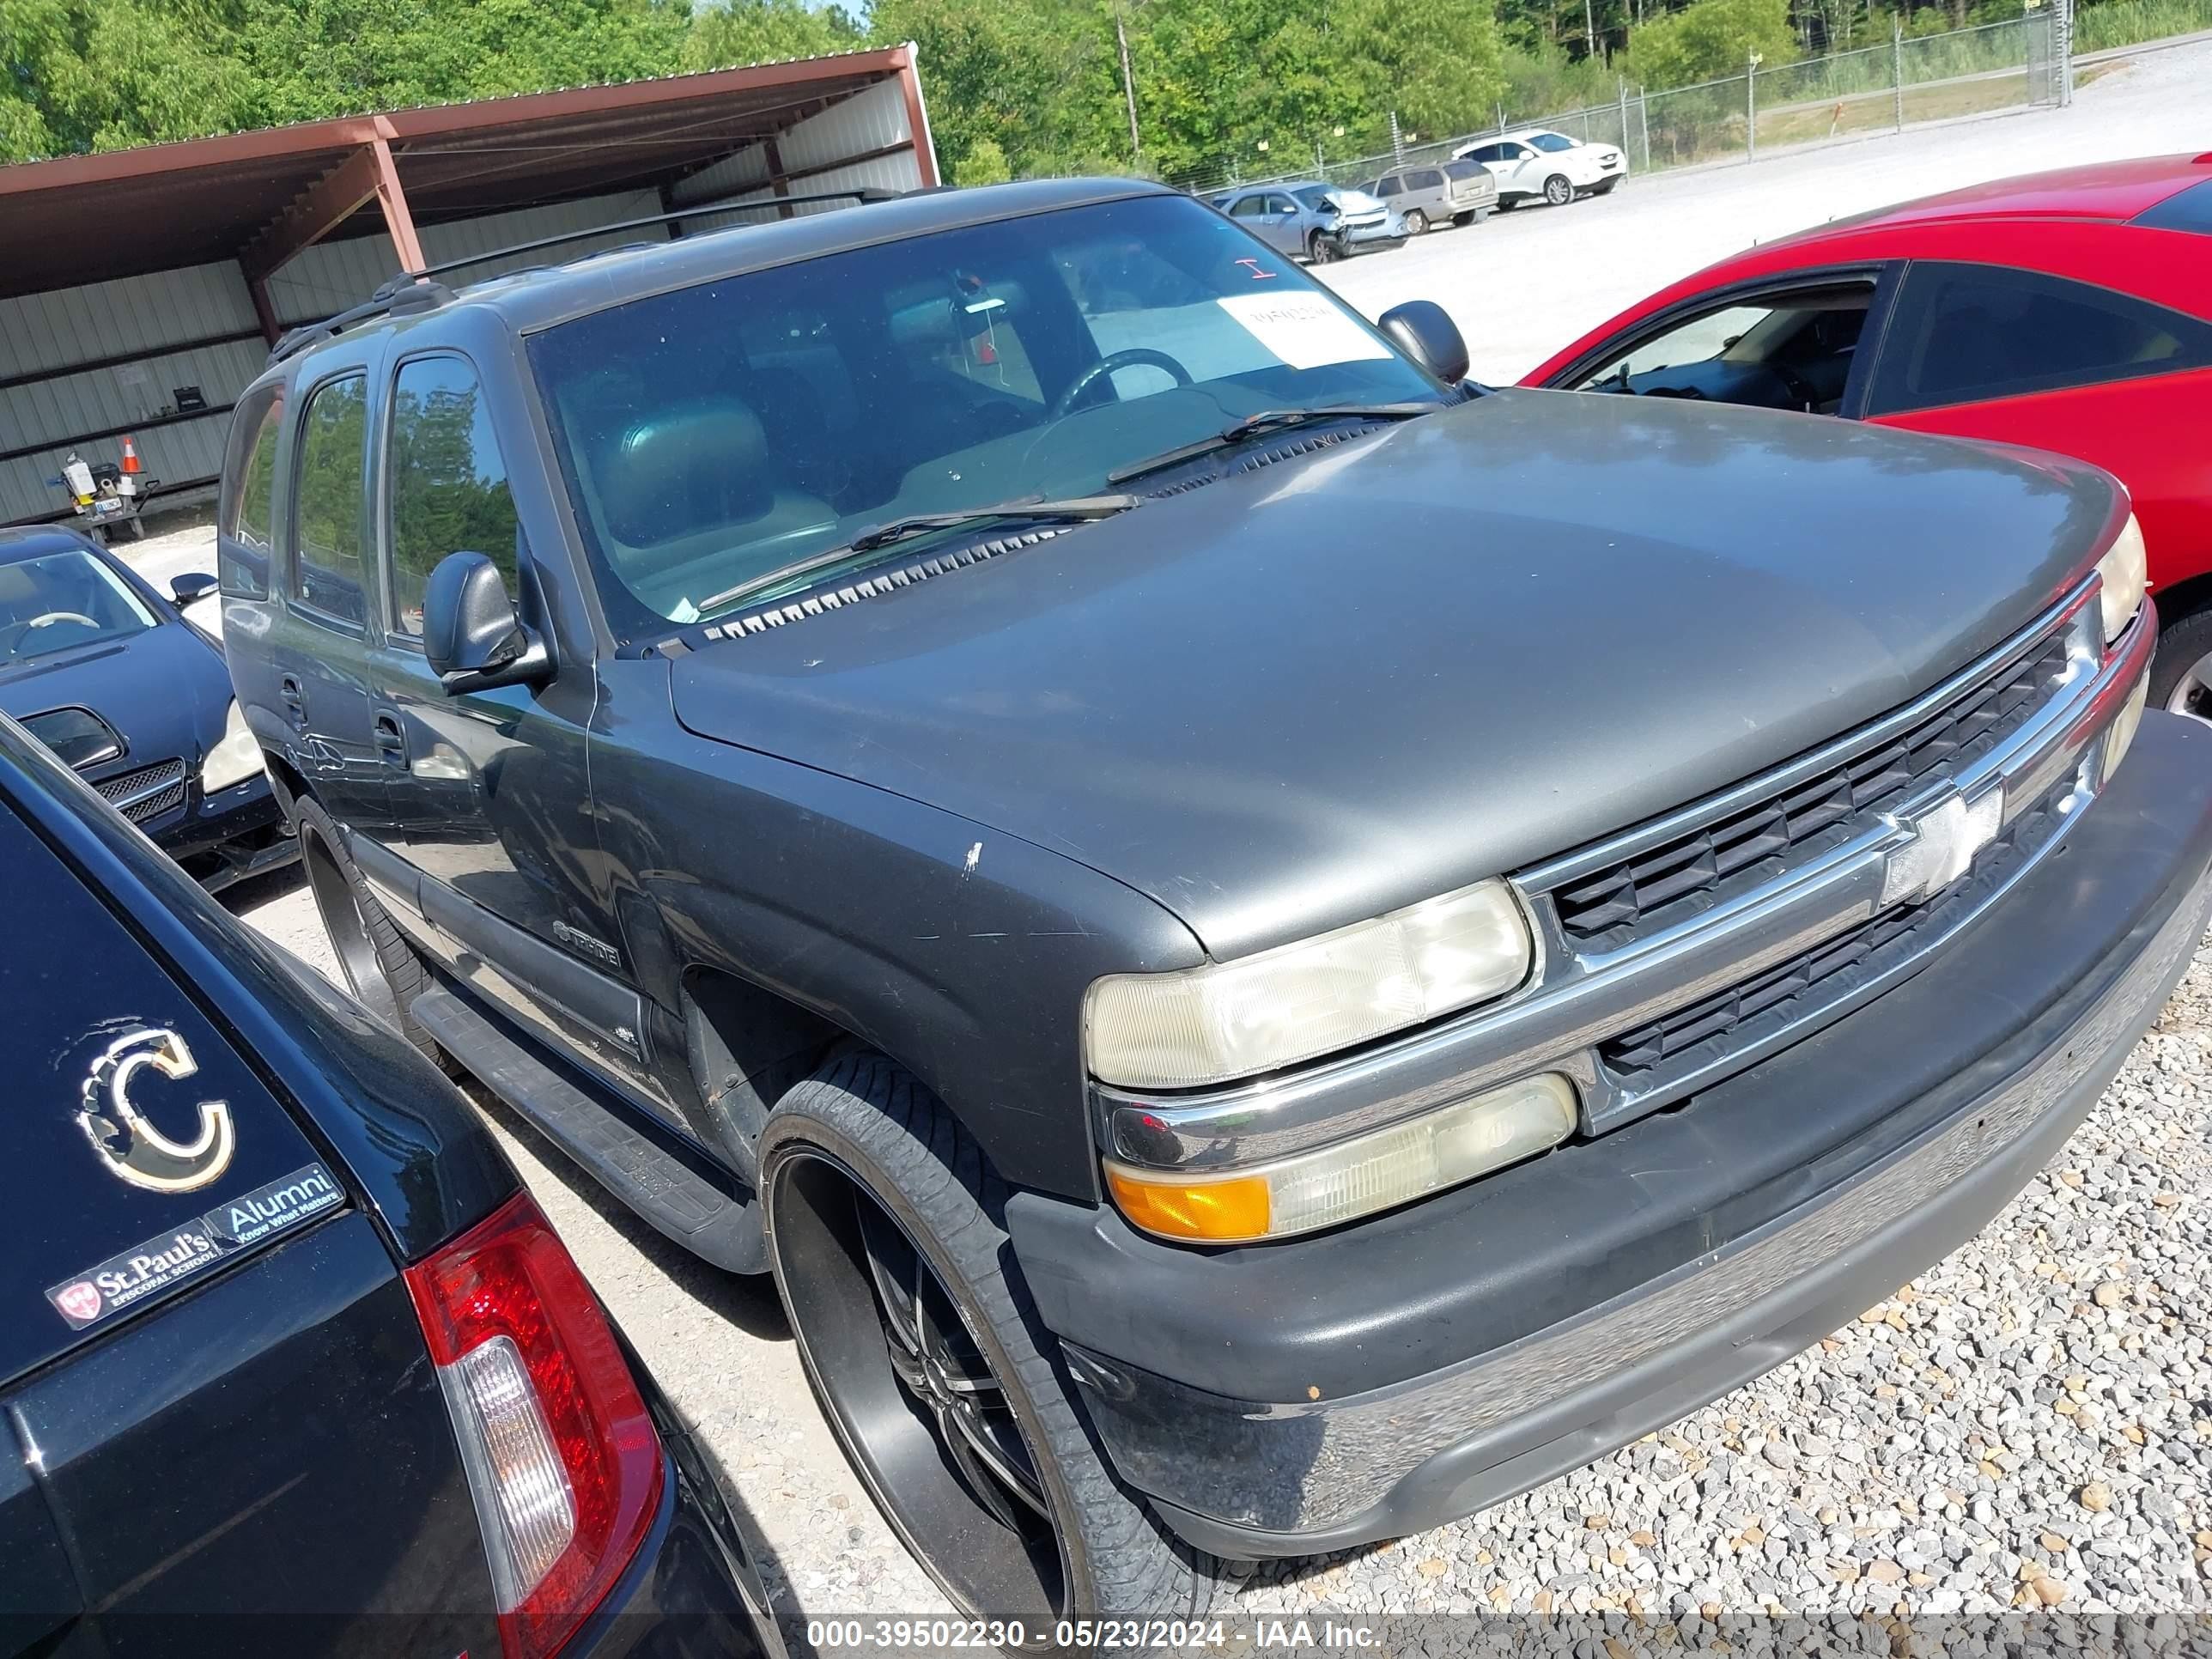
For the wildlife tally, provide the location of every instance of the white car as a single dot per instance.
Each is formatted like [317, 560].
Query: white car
[1539, 164]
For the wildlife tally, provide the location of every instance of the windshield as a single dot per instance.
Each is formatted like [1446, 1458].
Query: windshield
[711, 436]
[1317, 197]
[1551, 140]
[59, 600]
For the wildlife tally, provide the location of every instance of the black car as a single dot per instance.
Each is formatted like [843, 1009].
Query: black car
[1272, 947]
[112, 677]
[288, 1362]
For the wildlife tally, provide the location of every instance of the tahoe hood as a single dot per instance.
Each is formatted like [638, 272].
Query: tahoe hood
[1351, 678]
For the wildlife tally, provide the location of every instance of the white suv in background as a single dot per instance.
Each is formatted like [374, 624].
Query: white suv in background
[1538, 163]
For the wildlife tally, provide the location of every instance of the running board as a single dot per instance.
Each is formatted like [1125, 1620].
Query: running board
[661, 1187]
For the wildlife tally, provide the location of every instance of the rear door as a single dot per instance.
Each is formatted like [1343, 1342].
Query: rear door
[321, 649]
[490, 800]
[214, 1397]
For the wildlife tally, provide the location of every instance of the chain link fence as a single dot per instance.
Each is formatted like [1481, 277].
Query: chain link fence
[1904, 81]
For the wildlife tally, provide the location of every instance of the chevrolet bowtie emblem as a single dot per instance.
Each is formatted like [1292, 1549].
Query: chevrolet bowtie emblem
[1944, 839]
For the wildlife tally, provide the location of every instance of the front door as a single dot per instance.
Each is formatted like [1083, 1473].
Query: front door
[491, 803]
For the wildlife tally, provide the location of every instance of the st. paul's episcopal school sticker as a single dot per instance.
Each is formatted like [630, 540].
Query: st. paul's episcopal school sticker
[235, 1224]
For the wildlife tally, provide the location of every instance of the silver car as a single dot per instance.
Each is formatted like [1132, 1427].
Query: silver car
[1454, 192]
[1315, 222]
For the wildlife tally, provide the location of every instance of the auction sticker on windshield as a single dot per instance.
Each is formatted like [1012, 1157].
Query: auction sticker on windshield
[1305, 329]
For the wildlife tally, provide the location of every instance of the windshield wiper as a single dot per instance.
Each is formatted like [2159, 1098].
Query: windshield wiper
[1268, 419]
[1076, 508]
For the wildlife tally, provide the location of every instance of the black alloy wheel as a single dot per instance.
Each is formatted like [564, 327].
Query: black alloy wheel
[925, 1418]
[886, 1234]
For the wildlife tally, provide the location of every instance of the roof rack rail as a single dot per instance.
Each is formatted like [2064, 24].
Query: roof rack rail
[398, 297]
[413, 290]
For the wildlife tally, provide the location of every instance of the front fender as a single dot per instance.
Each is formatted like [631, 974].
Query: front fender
[961, 953]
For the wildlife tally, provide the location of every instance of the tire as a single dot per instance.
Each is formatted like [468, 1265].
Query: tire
[137, 530]
[381, 967]
[868, 1185]
[1507, 203]
[1321, 251]
[1557, 191]
[1417, 224]
[2181, 673]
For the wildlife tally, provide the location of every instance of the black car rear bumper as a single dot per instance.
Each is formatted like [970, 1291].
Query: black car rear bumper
[1325, 1392]
[694, 1587]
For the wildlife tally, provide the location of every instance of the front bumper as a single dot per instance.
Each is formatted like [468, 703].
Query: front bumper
[1321, 1393]
[1383, 233]
[225, 837]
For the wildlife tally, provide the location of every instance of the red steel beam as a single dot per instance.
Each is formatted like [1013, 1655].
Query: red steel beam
[321, 209]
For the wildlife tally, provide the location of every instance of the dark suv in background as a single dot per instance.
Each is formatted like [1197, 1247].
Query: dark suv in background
[288, 1361]
[983, 753]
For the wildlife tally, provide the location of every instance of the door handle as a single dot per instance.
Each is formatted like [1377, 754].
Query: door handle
[288, 689]
[390, 741]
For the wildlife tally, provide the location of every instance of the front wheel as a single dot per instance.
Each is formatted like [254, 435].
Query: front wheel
[1557, 191]
[1416, 222]
[1322, 251]
[886, 1232]
[2181, 673]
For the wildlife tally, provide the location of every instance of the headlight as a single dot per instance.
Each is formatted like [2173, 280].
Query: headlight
[2124, 577]
[1232, 1019]
[1375, 1171]
[235, 759]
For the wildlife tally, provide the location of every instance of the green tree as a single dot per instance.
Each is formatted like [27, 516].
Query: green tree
[763, 30]
[1709, 38]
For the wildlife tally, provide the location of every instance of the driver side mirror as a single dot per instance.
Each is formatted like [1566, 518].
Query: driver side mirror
[192, 585]
[471, 632]
[1424, 331]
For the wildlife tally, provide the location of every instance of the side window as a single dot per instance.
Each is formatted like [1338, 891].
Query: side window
[1248, 207]
[449, 491]
[331, 501]
[1281, 204]
[1386, 186]
[1428, 178]
[1967, 332]
[1790, 350]
[246, 523]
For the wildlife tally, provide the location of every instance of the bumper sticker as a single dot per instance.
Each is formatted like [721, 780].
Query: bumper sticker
[237, 1224]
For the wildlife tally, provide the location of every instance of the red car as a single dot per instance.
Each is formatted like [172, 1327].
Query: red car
[2070, 311]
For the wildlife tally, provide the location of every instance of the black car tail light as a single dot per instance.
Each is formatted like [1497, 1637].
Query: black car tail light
[561, 1454]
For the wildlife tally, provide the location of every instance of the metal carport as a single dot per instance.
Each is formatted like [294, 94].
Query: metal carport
[131, 278]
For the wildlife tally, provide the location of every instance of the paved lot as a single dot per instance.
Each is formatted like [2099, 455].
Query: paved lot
[2026, 1424]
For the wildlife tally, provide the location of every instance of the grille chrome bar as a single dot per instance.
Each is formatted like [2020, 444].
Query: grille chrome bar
[146, 792]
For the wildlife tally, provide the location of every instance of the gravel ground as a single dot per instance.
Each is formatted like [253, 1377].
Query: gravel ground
[2027, 1424]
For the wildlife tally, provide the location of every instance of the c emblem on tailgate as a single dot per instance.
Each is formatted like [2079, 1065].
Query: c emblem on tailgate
[131, 1147]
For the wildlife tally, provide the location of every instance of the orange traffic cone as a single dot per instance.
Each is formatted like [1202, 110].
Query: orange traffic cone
[130, 454]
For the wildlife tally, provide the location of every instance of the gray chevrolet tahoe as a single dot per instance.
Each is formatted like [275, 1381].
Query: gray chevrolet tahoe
[982, 753]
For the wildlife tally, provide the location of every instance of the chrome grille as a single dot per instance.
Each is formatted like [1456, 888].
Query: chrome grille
[1660, 886]
[1692, 1036]
[147, 792]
